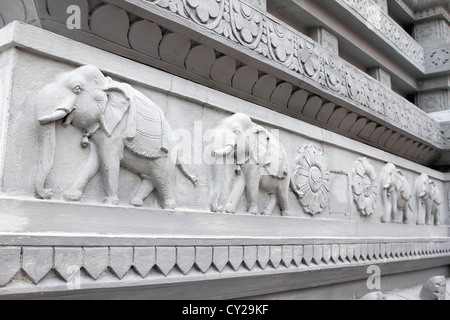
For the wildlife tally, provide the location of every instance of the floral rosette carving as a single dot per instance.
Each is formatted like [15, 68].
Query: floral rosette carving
[208, 13]
[247, 24]
[311, 178]
[364, 186]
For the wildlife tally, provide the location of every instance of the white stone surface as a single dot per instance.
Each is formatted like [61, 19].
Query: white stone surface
[149, 246]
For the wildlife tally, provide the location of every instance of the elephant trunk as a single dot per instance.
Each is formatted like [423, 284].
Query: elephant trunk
[47, 135]
[222, 152]
[47, 141]
[54, 116]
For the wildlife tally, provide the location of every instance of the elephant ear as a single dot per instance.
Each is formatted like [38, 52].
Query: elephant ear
[270, 153]
[118, 103]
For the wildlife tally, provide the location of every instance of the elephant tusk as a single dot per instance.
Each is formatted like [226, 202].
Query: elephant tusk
[57, 115]
[222, 152]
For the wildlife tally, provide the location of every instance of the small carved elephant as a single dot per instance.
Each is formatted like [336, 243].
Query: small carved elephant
[248, 157]
[120, 125]
[428, 199]
[395, 195]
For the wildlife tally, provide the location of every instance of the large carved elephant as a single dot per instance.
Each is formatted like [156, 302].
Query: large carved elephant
[120, 125]
[248, 157]
[395, 195]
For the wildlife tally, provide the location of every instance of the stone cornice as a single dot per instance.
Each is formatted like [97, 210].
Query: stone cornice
[294, 52]
[250, 54]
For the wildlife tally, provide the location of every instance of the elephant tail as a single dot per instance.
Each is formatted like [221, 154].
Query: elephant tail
[189, 176]
[294, 190]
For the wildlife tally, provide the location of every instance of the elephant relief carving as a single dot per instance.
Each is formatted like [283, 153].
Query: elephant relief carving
[248, 158]
[395, 195]
[121, 127]
[428, 199]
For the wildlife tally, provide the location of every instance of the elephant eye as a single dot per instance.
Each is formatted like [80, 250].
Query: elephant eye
[77, 88]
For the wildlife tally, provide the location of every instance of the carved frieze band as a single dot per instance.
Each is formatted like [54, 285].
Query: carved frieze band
[293, 51]
[258, 32]
[33, 264]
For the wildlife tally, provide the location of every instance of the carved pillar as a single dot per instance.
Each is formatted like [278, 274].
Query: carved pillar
[381, 75]
[433, 33]
[259, 4]
[325, 39]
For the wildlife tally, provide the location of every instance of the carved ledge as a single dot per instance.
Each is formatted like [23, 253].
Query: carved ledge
[252, 55]
[160, 248]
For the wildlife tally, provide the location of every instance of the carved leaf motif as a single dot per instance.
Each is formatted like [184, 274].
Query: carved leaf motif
[281, 43]
[246, 23]
[309, 58]
[95, 261]
[202, 11]
[37, 262]
[10, 262]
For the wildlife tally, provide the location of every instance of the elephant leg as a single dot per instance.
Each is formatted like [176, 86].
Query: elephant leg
[88, 171]
[420, 211]
[405, 218]
[428, 215]
[216, 187]
[235, 194]
[161, 174]
[394, 207]
[47, 141]
[386, 207]
[283, 202]
[110, 154]
[252, 179]
[144, 190]
[270, 205]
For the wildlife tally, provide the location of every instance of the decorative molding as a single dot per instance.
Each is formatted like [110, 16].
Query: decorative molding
[283, 48]
[364, 186]
[29, 266]
[295, 52]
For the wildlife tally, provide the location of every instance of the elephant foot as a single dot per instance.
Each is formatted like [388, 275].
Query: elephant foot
[288, 214]
[253, 210]
[45, 194]
[73, 195]
[216, 208]
[113, 201]
[266, 213]
[230, 208]
[169, 204]
[137, 202]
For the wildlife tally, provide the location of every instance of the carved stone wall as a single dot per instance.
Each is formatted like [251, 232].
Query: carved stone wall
[349, 99]
[80, 215]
